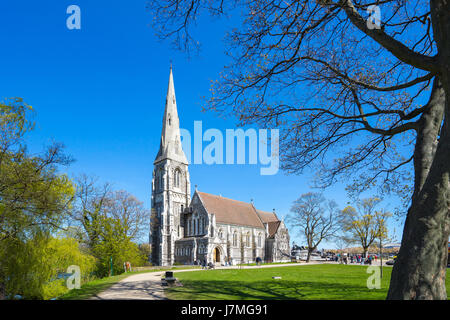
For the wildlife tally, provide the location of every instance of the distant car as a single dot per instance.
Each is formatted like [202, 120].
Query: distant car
[390, 262]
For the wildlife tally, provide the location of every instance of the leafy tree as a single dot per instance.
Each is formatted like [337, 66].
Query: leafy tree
[34, 202]
[115, 244]
[31, 268]
[364, 225]
[145, 251]
[33, 196]
[348, 96]
[111, 221]
[315, 217]
[59, 254]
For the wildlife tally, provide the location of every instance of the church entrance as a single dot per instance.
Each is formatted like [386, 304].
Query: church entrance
[216, 255]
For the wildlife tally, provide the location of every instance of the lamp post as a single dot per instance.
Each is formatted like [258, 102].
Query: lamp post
[381, 259]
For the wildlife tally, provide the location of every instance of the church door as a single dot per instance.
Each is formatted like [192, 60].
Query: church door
[216, 255]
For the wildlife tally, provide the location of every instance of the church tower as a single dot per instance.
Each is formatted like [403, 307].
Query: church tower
[170, 186]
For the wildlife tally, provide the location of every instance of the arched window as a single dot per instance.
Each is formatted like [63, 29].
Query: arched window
[161, 179]
[235, 239]
[259, 240]
[177, 178]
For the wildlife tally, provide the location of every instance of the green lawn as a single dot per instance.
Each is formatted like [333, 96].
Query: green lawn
[91, 288]
[94, 287]
[318, 282]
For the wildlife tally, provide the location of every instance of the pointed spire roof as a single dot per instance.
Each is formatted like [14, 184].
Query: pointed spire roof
[170, 146]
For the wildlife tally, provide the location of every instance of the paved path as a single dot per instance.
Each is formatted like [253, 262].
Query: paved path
[147, 286]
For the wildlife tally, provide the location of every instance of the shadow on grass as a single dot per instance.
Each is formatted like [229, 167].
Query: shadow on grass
[271, 290]
[92, 288]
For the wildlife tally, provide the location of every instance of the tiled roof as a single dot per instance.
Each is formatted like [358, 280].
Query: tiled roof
[267, 216]
[230, 211]
[273, 227]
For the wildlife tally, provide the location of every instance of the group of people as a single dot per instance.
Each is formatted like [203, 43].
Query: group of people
[358, 259]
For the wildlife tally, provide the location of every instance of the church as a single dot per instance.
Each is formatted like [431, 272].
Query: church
[208, 227]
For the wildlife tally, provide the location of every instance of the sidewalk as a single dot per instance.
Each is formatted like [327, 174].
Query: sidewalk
[147, 286]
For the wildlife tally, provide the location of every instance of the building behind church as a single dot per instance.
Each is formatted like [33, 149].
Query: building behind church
[207, 227]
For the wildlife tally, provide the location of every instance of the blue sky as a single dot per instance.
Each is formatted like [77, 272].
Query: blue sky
[101, 91]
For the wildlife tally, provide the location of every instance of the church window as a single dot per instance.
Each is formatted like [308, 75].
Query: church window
[202, 225]
[247, 239]
[176, 178]
[259, 240]
[160, 180]
[235, 239]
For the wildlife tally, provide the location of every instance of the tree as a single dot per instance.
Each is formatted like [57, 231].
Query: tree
[33, 196]
[89, 207]
[354, 95]
[116, 245]
[315, 217]
[111, 221]
[131, 212]
[146, 251]
[34, 201]
[364, 225]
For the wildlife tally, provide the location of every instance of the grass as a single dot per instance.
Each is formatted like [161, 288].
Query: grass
[314, 282]
[94, 287]
[265, 264]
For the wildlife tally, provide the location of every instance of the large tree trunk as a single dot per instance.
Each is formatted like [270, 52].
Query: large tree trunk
[419, 272]
[308, 257]
[365, 249]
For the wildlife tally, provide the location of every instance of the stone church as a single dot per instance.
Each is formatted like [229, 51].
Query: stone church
[207, 227]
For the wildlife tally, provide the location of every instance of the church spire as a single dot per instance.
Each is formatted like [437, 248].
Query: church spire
[170, 146]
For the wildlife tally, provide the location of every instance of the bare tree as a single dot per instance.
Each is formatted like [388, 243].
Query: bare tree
[89, 208]
[131, 212]
[349, 96]
[316, 219]
[95, 202]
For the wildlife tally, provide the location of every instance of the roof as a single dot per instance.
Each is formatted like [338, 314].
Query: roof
[273, 227]
[271, 219]
[230, 211]
[267, 216]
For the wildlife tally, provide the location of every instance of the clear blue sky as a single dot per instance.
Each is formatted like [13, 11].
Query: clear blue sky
[101, 91]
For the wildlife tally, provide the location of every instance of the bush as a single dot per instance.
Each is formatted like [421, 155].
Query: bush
[31, 268]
